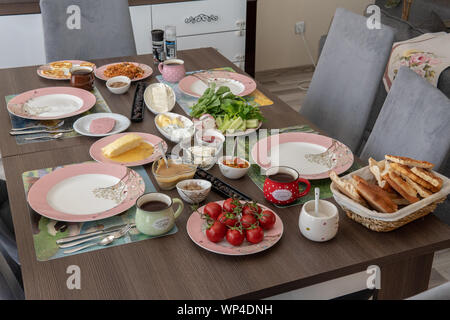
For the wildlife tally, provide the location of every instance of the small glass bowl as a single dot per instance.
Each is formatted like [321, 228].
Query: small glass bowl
[202, 156]
[169, 182]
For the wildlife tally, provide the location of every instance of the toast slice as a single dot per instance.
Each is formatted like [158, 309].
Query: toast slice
[424, 193]
[375, 196]
[398, 199]
[428, 176]
[409, 162]
[406, 171]
[347, 188]
[401, 186]
[394, 196]
[377, 169]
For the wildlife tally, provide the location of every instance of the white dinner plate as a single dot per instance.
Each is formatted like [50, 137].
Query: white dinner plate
[82, 124]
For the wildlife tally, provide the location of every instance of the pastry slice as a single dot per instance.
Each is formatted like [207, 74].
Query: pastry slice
[424, 193]
[409, 162]
[401, 186]
[375, 196]
[122, 145]
[428, 176]
[347, 188]
[377, 169]
[406, 171]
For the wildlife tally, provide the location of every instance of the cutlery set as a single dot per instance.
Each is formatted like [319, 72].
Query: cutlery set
[53, 131]
[103, 237]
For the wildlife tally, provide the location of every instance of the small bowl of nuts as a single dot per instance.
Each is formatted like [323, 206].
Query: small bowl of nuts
[193, 191]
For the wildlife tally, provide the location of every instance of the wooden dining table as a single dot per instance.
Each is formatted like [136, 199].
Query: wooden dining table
[173, 267]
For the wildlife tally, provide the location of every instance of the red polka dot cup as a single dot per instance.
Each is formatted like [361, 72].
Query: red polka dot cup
[282, 185]
[172, 70]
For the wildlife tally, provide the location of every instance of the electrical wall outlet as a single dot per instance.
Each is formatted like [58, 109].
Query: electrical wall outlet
[300, 27]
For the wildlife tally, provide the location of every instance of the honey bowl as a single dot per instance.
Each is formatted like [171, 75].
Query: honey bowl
[177, 170]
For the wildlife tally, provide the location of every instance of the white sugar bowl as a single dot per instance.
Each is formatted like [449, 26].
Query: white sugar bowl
[321, 226]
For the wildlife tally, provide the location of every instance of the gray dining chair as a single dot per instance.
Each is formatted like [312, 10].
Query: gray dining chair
[87, 29]
[346, 79]
[7, 238]
[10, 288]
[414, 122]
[441, 292]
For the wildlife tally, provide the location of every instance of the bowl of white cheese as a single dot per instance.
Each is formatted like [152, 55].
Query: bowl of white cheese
[159, 98]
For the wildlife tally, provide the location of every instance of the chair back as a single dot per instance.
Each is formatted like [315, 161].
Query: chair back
[350, 68]
[414, 122]
[10, 288]
[86, 29]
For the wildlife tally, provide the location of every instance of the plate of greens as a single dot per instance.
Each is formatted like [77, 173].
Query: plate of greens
[233, 115]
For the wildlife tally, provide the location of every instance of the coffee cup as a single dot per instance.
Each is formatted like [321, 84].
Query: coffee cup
[172, 70]
[155, 214]
[281, 186]
[321, 226]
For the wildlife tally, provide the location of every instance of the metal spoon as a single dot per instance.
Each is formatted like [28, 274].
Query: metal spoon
[161, 148]
[52, 137]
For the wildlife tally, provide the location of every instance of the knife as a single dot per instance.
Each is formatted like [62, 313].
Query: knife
[17, 133]
[92, 233]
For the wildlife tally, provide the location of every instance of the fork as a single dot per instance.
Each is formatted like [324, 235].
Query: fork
[19, 133]
[50, 137]
[40, 126]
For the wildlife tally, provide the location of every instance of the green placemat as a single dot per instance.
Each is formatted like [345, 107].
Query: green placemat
[244, 147]
[17, 122]
[47, 231]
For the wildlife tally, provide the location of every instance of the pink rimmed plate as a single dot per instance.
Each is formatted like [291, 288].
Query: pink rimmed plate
[51, 103]
[289, 149]
[100, 72]
[67, 194]
[96, 149]
[196, 231]
[63, 66]
[239, 84]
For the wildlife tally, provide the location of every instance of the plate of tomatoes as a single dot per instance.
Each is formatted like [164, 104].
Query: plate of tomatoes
[235, 228]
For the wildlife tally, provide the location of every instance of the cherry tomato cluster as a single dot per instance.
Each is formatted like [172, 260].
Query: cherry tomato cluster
[237, 221]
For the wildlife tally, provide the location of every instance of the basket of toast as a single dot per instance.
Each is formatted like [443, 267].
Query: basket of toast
[390, 193]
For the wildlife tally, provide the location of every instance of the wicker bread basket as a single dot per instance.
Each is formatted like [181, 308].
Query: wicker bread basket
[383, 222]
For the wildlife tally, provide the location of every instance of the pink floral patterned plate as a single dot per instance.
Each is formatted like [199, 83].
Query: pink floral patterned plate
[196, 231]
[71, 193]
[291, 150]
[51, 103]
[96, 149]
[240, 85]
[100, 72]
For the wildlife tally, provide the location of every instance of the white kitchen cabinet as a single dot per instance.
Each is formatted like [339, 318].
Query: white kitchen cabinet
[22, 40]
[141, 19]
[231, 44]
[203, 23]
[200, 17]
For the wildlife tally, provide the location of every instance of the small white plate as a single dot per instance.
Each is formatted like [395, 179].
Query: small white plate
[82, 125]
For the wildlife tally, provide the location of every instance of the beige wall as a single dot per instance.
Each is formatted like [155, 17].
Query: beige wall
[277, 45]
